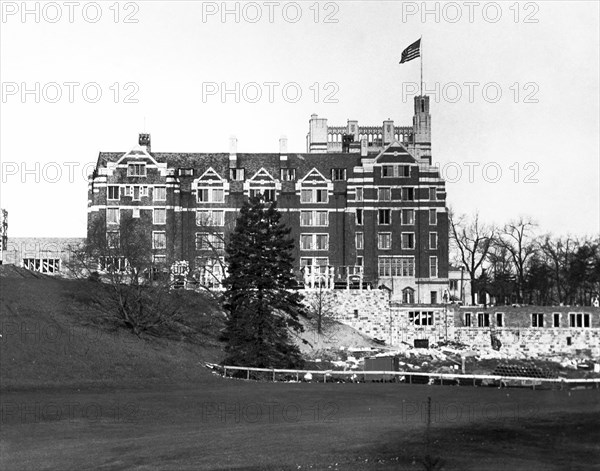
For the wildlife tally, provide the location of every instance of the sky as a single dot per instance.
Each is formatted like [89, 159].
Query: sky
[514, 90]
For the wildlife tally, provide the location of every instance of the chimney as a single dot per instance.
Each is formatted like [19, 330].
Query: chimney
[364, 151]
[144, 140]
[232, 152]
[283, 149]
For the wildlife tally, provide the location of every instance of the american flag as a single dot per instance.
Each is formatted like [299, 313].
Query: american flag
[411, 52]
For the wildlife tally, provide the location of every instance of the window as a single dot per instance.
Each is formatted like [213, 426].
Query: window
[306, 218]
[405, 171]
[159, 240]
[112, 264]
[359, 217]
[210, 218]
[408, 240]
[387, 171]
[159, 216]
[113, 192]
[136, 213]
[537, 320]
[579, 320]
[483, 319]
[112, 239]
[314, 242]
[359, 193]
[159, 193]
[499, 319]
[210, 241]
[43, 265]
[467, 320]
[432, 217]
[453, 285]
[359, 241]
[359, 261]
[160, 259]
[313, 195]
[314, 261]
[396, 266]
[433, 297]
[186, 172]
[209, 271]
[556, 319]
[338, 174]
[112, 215]
[385, 216]
[314, 218]
[408, 217]
[306, 196]
[433, 240]
[136, 170]
[408, 194]
[433, 267]
[322, 241]
[432, 193]
[408, 296]
[385, 194]
[288, 174]
[211, 195]
[268, 194]
[305, 241]
[236, 174]
[384, 241]
[420, 318]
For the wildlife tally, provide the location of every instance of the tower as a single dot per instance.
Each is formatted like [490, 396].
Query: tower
[421, 145]
[316, 140]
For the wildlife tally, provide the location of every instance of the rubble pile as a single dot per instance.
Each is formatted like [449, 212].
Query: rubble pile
[448, 357]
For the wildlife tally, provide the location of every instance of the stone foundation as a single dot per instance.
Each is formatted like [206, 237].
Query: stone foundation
[371, 313]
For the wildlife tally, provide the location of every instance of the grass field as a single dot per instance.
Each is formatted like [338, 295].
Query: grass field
[77, 395]
[234, 424]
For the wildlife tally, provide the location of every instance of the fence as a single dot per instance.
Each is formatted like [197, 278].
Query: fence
[411, 377]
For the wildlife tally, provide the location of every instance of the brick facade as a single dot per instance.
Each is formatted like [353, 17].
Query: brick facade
[374, 201]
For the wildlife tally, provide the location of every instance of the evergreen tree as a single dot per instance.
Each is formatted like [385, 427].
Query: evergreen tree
[261, 296]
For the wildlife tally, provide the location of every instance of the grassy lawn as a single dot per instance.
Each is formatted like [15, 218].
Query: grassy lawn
[234, 424]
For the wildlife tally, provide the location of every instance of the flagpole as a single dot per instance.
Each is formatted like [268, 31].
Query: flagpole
[421, 54]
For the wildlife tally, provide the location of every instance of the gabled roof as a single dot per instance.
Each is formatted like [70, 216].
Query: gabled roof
[314, 176]
[262, 176]
[209, 176]
[395, 153]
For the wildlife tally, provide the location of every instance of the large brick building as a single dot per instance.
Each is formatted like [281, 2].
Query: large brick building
[363, 203]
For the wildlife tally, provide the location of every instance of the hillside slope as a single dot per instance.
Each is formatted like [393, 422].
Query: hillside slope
[53, 336]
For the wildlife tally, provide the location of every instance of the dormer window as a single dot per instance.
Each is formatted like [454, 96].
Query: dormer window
[338, 174]
[211, 195]
[268, 194]
[136, 170]
[236, 174]
[186, 172]
[288, 174]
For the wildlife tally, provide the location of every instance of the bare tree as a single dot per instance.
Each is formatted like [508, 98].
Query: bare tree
[517, 238]
[473, 240]
[136, 284]
[321, 308]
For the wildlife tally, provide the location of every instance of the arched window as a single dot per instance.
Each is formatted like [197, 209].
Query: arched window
[408, 296]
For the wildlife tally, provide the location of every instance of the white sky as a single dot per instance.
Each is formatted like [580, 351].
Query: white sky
[170, 52]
